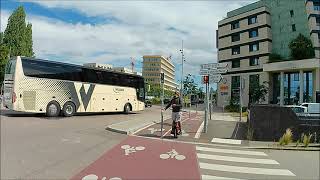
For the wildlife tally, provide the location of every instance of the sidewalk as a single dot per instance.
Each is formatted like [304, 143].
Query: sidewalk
[136, 122]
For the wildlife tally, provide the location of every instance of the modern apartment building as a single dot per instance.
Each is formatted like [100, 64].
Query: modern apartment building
[153, 65]
[249, 35]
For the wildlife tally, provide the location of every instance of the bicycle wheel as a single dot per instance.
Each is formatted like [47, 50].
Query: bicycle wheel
[164, 156]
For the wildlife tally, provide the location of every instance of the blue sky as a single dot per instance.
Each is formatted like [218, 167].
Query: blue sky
[113, 31]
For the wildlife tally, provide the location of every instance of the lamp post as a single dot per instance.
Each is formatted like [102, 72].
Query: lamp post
[182, 60]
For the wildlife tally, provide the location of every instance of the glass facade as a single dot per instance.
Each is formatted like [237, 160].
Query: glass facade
[291, 86]
[307, 87]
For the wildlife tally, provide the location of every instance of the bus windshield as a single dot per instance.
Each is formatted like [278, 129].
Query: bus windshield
[10, 67]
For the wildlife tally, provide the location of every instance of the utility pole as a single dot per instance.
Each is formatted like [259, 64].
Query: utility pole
[182, 60]
[162, 104]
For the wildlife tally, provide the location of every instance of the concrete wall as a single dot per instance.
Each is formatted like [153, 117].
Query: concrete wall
[243, 24]
[224, 100]
[264, 47]
[281, 23]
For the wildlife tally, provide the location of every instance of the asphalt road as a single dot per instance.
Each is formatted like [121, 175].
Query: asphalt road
[34, 146]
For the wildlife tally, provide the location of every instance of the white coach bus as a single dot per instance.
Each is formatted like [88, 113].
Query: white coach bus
[56, 88]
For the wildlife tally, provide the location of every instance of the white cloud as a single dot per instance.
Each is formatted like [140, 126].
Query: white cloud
[143, 30]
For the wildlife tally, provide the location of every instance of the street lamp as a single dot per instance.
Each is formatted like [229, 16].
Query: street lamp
[182, 60]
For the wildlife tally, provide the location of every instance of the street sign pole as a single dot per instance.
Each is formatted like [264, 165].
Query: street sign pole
[162, 104]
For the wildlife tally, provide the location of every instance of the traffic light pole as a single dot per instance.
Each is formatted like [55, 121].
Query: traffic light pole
[162, 103]
[205, 129]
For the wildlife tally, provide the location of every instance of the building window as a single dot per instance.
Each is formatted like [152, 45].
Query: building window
[252, 20]
[293, 27]
[235, 25]
[253, 86]
[316, 6]
[291, 13]
[319, 37]
[235, 37]
[254, 47]
[253, 33]
[254, 61]
[235, 50]
[235, 84]
[235, 63]
[318, 21]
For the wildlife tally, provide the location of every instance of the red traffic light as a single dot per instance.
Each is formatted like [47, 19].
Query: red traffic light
[205, 79]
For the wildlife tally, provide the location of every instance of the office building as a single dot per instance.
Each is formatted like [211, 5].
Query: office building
[98, 66]
[254, 41]
[153, 65]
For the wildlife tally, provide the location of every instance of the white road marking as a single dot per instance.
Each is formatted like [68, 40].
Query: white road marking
[226, 141]
[229, 151]
[145, 127]
[247, 170]
[205, 177]
[172, 154]
[197, 136]
[236, 159]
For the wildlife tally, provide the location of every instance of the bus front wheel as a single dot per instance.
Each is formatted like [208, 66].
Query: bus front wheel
[68, 109]
[53, 109]
[127, 108]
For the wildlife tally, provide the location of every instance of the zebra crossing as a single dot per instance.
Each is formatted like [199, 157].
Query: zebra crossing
[230, 163]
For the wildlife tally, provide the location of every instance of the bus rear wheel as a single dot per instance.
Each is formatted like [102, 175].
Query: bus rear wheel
[127, 108]
[53, 109]
[68, 109]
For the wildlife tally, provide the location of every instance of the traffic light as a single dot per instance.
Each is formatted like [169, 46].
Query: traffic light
[205, 79]
[162, 77]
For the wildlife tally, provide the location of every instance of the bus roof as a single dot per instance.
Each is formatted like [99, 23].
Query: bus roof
[77, 66]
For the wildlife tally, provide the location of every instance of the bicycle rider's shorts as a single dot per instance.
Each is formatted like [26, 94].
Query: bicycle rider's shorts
[176, 116]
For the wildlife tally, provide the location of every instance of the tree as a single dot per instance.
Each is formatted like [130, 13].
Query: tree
[4, 52]
[189, 86]
[29, 42]
[301, 48]
[16, 39]
[18, 36]
[257, 92]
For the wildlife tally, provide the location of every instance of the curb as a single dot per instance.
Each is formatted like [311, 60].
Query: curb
[134, 129]
[286, 148]
[129, 131]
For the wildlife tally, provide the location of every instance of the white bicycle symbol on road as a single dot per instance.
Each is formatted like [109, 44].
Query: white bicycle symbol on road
[130, 149]
[172, 154]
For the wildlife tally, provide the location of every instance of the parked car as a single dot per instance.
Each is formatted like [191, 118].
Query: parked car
[312, 108]
[298, 109]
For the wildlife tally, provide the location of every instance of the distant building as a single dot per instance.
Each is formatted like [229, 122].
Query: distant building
[99, 66]
[249, 35]
[123, 69]
[153, 65]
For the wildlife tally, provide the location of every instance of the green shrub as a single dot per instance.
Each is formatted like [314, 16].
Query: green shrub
[298, 142]
[156, 100]
[250, 134]
[286, 138]
[274, 57]
[306, 140]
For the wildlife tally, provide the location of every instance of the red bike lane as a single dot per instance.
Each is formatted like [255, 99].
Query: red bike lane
[190, 124]
[143, 158]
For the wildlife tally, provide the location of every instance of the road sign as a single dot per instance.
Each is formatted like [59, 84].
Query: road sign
[218, 71]
[216, 78]
[213, 71]
[214, 65]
